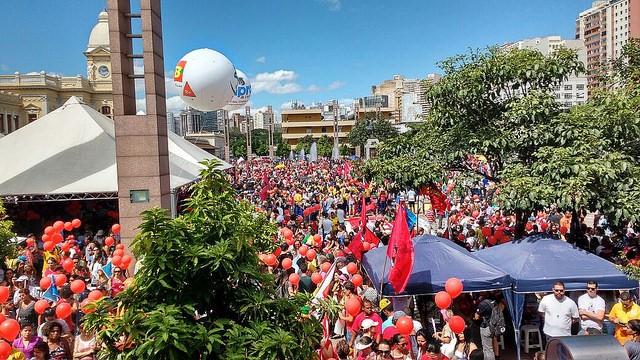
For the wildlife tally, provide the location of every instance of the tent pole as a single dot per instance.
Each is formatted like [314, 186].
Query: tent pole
[384, 268]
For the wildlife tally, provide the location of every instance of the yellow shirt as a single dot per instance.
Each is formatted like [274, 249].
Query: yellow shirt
[16, 355]
[617, 312]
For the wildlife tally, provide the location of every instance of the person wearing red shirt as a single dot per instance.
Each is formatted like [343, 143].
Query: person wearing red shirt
[367, 313]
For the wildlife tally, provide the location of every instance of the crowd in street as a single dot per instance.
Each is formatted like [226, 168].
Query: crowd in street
[317, 207]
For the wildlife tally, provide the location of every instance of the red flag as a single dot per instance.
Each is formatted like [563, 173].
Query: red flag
[265, 187]
[356, 244]
[439, 201]
[402, 250]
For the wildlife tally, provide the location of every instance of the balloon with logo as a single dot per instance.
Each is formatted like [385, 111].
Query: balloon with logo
[206, 79]
[242, 94]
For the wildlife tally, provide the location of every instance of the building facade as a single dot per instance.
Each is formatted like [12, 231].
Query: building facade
[605, 28]
[41, 93]
[572, 91]
[316, 122]
[403, 99]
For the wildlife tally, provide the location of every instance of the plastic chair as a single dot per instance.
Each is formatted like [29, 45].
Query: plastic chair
[527, 331]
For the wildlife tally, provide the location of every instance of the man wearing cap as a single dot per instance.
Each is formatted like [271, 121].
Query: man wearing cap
[367, 313]
[387, 310]
[620, 315]
[368, 327]
[364, 350]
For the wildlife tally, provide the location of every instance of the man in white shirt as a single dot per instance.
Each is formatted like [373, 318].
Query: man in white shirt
[591, 308]
[558, 312]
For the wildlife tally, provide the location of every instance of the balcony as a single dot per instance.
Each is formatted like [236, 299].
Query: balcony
[315, 135]
[298, 124]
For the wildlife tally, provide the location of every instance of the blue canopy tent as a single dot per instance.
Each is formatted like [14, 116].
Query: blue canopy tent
[436, 260]
[536, 262]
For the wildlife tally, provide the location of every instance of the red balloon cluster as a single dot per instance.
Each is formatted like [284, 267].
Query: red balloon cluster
[453, 287]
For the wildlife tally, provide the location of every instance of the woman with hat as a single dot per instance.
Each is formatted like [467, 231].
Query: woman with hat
[364, 349]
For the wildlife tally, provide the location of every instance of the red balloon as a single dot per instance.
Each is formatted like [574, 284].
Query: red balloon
[86, 306]
[63, 310]
[311, 254]
[456, 323]
[325, 266]
[353, 306]
[357, 280]
[77, 286]
[66, 246]
[76, 223]
[491, 240]
[5, 349]
[2, 318]
[289, 241]
[404, 325]
[95, 295]
[563, 230]
[528, 226]
[453, 286]
[115, 228]
[118, 252]
[68, 226]
[316, 278]
[49, 230]
[352, 268]
[4, 294]
[9, 329]
[270, 259]
[31, 242]
[68, 265]
[45, 283]
[40, 306]
[486, 231]
[57, 238]
[46, 237]
[61, 279]
[287, 263]
[286, 233]
[303, 250]
[294, 279]
[277, 252]
[58, 226]
[126, 261]
[116, 260]
[109, 241]
[443, 300]
[317, 238]
[120, 247]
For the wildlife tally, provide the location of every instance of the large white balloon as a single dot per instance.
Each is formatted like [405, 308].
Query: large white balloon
[243, 92]
[206, 79]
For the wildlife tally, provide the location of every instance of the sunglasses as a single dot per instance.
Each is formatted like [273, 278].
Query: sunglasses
[558, 290]
[591, 288]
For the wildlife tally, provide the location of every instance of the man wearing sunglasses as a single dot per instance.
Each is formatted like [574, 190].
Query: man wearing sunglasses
[591, 308]
[621, 313]
[558, 312]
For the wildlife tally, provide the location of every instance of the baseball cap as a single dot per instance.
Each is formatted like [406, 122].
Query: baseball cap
[397, 315]
[363, 343]
[384, 302]
[367, 323]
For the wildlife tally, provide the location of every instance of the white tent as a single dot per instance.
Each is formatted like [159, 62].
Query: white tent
[72, 150]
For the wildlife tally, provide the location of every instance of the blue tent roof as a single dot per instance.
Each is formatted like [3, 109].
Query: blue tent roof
[534, 263]
[436, 260]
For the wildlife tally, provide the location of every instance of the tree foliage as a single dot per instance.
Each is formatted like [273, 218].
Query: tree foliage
[372, 127]
[7, 248]
[200, 293]
[497, 105]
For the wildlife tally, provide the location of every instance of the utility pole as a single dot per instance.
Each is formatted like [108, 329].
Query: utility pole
[271, 122]
[335, 126]
[247, 116]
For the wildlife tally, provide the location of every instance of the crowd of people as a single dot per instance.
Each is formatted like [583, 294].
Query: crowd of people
[50, 287]
[320, 204]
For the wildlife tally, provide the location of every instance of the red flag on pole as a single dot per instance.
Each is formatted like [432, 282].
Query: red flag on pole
[439, 201]
[402, 250]
[365, 234]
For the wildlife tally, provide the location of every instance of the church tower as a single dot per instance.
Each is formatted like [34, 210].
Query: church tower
[98, 56]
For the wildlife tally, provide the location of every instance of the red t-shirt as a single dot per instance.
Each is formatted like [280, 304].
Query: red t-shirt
[360, 317]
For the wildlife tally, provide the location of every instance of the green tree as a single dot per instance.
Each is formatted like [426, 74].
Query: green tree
[304, 143]
[283, 149]
[372, 127]
[238, 143]
[200, 293]
[260, 141]
[7, 248]
[324, 146]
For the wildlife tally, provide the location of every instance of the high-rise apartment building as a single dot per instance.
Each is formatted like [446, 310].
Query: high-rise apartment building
[405, 98]
[262, 119]
[605, 28]
[572, 91]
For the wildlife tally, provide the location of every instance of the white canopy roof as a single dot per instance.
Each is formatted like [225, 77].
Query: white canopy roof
[73, 150]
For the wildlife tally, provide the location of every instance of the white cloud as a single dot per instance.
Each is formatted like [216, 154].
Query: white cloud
[313, 88]
[261, 59]
[277, 82]
[286, 106]
[336, 85]
[4, 67]
[334, 5]
[175, 104]
[346, 101]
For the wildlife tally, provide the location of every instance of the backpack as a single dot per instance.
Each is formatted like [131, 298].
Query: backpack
[496, 322]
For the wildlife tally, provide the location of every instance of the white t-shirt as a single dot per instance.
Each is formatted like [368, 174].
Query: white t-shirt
[586, 302]
[557, 315]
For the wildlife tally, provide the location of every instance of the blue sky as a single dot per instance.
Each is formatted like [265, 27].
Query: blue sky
[307, 50]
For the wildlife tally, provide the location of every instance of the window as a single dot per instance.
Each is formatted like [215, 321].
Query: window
[557, 95]
[105, 110]
[324, 129]
[580, 96]
[309, 130]
[2, 129]
[568, 87]
[32, 117]
[579, 86]
[568, 95]
[16, 122]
